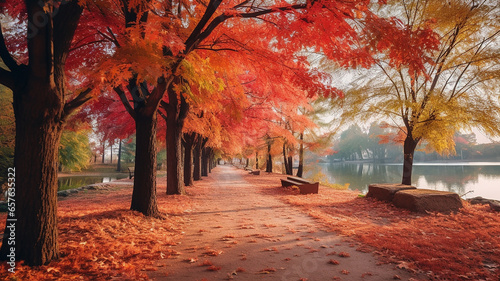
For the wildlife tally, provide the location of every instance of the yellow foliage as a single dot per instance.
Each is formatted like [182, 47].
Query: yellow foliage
[459, 90]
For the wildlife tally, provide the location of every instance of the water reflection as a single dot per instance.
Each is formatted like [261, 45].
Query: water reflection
[473, 179]
[78, 181]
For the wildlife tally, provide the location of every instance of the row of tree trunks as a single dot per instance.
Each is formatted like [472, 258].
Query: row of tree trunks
[198, 159]
[197, 155]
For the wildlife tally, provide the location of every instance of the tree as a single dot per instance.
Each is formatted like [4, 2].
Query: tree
[438, 74]
[173, 33]
[377, 149]
[352, 143]
[74, 151]
[35, 56]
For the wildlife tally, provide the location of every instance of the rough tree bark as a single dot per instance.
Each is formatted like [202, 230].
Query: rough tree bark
[144, 192]
[40, 109]
[177, 109]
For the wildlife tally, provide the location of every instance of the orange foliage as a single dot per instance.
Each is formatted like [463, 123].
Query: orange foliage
[101, 239]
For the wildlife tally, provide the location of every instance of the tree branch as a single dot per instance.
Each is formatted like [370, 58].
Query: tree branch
[163, 105]
[183, 111]
[125, 102]
[156, 95]
[194, 39]
[82, 98]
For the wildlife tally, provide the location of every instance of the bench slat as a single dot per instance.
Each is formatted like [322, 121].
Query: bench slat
[297, 179]
[288, 182]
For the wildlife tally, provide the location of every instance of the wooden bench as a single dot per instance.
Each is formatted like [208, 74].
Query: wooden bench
[305, 186]
[255, 172]
[131, 171]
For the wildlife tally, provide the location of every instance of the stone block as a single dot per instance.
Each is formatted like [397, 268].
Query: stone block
[427, 200]
[494, 204]
[385, 191]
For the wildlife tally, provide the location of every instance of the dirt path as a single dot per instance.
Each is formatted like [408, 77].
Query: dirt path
[248, 235]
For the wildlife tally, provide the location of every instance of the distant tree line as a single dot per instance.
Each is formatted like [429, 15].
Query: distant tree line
[354, 143]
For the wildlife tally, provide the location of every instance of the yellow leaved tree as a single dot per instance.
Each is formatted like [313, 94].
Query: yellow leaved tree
[438, 73]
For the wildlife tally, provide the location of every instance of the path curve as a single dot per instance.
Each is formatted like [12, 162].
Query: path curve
[249, 235]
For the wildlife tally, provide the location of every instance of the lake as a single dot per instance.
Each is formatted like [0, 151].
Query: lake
[467, 178]
[78, 181]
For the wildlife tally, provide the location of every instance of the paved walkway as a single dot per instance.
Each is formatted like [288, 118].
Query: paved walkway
[245, 234]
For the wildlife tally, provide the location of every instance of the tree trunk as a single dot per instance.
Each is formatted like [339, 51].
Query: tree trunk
[119, 166]
[144, 192]
[188, 142]
[111, 153]
[408, 149]
[210, 159]
[175, 176]
[35, 178]
[256, 160]
[290, 164]
[285, 160]
[197, 158]
[300, 171]
[269, 164]
[177, 109]
[103, 150]
[40, 111]
[204, 162]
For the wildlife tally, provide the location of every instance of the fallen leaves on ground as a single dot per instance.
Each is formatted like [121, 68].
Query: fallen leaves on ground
[267, 270]
[100, 238]
[460, 246]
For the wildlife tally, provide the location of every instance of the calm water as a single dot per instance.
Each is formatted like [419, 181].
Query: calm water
[78, 181]
[473, 179]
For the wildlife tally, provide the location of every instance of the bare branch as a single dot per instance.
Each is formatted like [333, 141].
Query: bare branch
[125, 101]
[81, 99]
